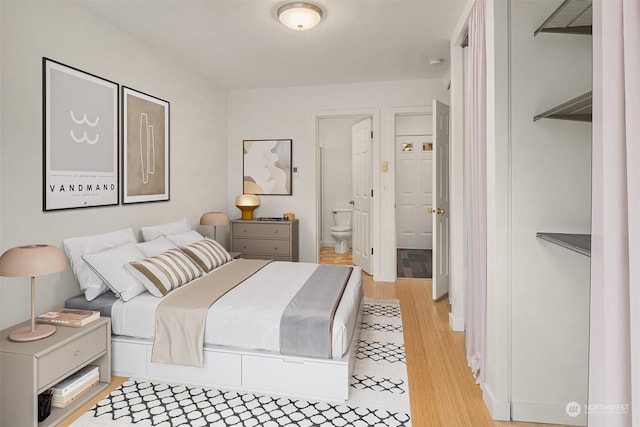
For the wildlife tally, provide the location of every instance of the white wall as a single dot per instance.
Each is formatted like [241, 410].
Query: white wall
[290, 113]
[71, 35]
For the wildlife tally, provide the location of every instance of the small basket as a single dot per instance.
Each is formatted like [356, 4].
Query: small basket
[44, 404]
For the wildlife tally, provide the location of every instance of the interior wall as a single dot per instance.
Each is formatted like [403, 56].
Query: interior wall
[290, 113]
[69, 34]
[334, 135]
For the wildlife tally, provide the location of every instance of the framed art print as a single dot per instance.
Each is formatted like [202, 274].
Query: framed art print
[145, 147]
[80, 138]
[267, 166]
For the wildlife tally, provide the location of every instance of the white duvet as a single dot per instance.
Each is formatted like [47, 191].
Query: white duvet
[248, 316]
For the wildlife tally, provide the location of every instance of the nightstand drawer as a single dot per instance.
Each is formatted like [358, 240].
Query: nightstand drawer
[267, 246]
[266, 230]
[59, 362]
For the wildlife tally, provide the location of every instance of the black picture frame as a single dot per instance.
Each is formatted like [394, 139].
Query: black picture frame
[80, 138]
[145, 147]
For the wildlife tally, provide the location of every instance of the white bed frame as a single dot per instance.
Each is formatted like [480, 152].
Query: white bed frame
[243, 370]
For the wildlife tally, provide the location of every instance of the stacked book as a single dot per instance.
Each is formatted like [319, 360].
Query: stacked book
[69, 389]
[68, 317]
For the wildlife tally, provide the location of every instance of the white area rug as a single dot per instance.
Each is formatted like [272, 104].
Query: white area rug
[379, 394]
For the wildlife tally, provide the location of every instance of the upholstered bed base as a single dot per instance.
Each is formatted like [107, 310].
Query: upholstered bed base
[243, 370]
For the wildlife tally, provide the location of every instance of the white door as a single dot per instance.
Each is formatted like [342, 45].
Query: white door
[414, 190]
[362, 183]
[440, 211]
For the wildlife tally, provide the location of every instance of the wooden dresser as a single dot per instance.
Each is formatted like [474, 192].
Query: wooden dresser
[258, 239]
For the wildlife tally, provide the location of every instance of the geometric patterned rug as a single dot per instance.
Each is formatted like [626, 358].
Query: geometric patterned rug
[378, 396]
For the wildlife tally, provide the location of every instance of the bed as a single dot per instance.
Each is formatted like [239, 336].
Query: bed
[242, 336]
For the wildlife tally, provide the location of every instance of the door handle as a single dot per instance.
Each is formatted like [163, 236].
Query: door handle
[440, 211]
[431, 210]
[351, 202]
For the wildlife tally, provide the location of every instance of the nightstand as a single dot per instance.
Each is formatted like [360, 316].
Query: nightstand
[29, 368]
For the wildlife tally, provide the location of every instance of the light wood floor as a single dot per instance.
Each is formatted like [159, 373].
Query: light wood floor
[442, 389]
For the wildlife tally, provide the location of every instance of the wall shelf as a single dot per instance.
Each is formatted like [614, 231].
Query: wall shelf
[571, 17]
[577, 109]
[580, 243]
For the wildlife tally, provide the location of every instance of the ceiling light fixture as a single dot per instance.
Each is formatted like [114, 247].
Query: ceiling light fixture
[300, 15]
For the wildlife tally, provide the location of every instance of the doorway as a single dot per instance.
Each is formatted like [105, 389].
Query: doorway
[335, 165]
[414, 162]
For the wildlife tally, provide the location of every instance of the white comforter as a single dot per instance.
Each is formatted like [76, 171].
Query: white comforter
[248, 316]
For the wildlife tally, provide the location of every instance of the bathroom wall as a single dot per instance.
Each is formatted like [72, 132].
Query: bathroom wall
[334, 135]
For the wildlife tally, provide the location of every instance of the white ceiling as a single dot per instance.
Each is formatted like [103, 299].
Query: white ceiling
[241, 43]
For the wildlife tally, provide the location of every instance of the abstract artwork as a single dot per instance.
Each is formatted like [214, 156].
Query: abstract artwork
[80, 138]
[145, 152]
[267, 166]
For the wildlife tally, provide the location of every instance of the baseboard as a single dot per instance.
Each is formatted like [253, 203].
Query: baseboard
[499, 410]
[546, 413]
[456, 324]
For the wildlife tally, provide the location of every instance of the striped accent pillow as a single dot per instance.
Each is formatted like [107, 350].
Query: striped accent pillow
[207, 254]
[162, 273]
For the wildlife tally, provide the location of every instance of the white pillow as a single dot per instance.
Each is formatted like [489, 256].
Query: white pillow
[153, 231]
[110, 265]
[185, 238]
[162, 273]
[156, 246]
[90, 283]
[207, 254]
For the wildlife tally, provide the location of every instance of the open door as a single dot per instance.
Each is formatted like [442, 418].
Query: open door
[362, 182]
[440, 211]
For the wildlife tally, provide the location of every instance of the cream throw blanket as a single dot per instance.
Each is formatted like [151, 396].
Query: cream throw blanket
[181, 316]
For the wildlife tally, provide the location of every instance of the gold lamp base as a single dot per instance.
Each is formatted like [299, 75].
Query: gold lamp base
[27, 334]
[247, 211]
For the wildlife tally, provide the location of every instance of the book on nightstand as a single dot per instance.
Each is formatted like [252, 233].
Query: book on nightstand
[68, 317]
[72, 387]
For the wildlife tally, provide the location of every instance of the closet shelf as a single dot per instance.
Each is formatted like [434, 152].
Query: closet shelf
[580, 243]
[577, 109]
[571, 17]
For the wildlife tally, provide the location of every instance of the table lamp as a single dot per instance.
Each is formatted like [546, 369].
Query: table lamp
[214, 219]
[32, 261]
[247, 203]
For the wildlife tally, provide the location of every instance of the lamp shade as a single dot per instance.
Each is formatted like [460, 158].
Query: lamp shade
[214, 219]
[300, 15]
[247, 203]
[32, 261]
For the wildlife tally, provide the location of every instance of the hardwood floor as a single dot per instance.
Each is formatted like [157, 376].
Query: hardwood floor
[442, 389]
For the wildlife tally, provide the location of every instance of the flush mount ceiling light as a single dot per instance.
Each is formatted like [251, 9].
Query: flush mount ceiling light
[299, 15]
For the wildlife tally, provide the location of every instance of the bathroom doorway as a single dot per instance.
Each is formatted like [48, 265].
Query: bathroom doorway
[334, 138]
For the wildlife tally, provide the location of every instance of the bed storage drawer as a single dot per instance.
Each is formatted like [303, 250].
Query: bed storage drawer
[281, 374]
[221, 369]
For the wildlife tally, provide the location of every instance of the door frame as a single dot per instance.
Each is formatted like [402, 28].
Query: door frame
[393, 113]
[374, 113]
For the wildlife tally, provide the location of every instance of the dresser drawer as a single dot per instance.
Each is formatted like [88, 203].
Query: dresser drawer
[59, 362]
[266, 230]
[261, 246]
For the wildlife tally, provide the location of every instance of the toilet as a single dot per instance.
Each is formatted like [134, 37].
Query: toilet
[341, 229]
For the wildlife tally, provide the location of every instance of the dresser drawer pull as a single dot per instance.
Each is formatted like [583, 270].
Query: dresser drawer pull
[76, 353]
[275, 232]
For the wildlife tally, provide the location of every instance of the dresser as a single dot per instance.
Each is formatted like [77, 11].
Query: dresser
[29, 368]
[277, 240]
